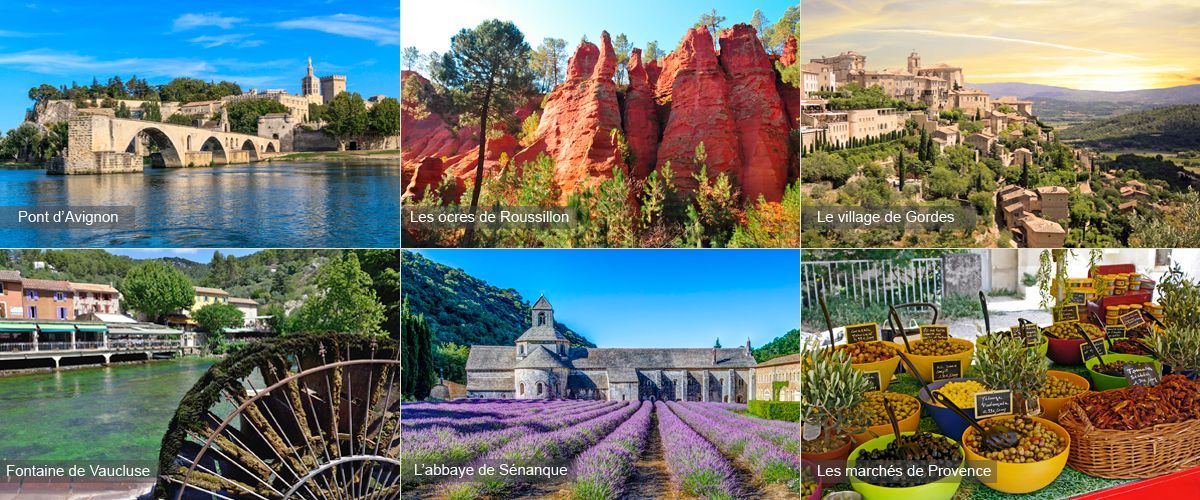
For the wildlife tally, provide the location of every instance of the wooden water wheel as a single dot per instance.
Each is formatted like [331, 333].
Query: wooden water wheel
[312, 416]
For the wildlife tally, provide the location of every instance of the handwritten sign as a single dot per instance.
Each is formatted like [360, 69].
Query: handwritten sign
[873, 380]
[1092, 349]
[1031, 334]
[1068, 313]
[1033, 406]
[934, 332]
[943, 370]
[1114, 332]
[1142, 374]
[1132, 320]
[1078, 297]
[993, 403]
[865, 332]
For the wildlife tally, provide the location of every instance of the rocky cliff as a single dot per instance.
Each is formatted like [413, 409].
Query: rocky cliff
[732, 101]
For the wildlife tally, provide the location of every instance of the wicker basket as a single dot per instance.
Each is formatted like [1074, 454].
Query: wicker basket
[1135, 454]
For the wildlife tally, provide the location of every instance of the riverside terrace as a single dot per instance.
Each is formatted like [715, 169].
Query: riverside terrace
[45, 344]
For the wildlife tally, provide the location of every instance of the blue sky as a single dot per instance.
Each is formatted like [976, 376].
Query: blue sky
[201, 255]
[428, 26]
[651, 298]
[257, 44]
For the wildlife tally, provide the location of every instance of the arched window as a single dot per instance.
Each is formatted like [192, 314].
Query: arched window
[539, 388]
[521, 389]
[541, 318]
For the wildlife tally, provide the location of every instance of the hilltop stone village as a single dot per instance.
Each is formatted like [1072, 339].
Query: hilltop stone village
[543, 365]
[1035, 217]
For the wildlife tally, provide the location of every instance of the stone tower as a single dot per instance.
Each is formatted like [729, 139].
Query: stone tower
[914, 62]
[541, 370]
[331, 86]
[310, 85]
[542, 332]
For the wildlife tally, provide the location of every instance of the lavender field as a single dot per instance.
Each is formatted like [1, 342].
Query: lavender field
[572, 449]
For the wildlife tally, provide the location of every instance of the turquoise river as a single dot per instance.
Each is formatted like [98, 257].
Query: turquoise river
[117, 412]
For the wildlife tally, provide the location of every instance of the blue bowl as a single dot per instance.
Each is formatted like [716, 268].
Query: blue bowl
[950, 424]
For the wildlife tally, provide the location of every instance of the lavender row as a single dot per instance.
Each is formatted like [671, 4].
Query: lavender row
[769, 462]
[541, 449]
[489, 419]
[784, 434]
[601, 471]
[450, 446]
[697, 467]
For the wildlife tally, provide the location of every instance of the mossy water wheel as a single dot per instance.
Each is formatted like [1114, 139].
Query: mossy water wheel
[299, 417]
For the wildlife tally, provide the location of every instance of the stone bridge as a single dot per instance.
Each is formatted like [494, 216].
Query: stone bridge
[98, 144]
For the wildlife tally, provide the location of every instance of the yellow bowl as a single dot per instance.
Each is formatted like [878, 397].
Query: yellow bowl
[924, 364]
[1051, 406]
[886, 368]
[907, 424]
[1024, 478]
[943, 488]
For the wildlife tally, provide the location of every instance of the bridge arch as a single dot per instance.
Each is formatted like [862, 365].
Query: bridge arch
[169, 151]
[271, 147]
[248, 145]
[214, 145]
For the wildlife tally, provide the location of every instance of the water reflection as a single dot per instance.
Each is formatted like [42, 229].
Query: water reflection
[308, 204]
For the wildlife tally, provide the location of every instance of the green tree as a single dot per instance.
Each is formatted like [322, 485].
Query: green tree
[54, 141]
[900, 170]
[622, 47]
[243, 115]
[488, 69]
[316, 112]
[43, 93]
[217, 317]
[417, 360]
[344, 301]
[652, 52]
[450, 361]
[151, 111]
[1025, 173]
[156, 289]
[384, 117]
[718, 344]
[761, 25]
[547, 62]
[122, 111]
[712, 21]
[409, 56]
[346, 117]
[192, 89]
[277, 319]
[788, 26]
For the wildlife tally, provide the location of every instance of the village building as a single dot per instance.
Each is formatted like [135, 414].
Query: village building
[1133, 192]
[249, 309]
[1031, 214]
[48, 299]
[95, 298]
[12, 303]
[543, 365]
[205, 296]
[778, 379]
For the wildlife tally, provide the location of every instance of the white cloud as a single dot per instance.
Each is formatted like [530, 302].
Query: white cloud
[61, 63]
[240, 40]
[189, 21]
[379, 30]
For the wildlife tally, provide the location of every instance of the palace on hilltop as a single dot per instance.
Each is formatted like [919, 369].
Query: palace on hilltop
[543, 365]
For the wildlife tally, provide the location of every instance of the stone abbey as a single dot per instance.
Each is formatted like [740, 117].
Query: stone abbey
[543, 365]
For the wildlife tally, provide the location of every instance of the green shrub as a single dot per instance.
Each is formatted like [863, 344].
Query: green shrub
[788, 411]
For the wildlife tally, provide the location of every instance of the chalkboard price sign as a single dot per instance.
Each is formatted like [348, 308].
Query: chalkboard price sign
[1132, 320]
[1068, 313]
[873, 379]
[865, 332]
[1142, 374]
[1078, 297]
[934, 332]
[1031, 334]
[943, 370]
[1093, 348]
[1114, 332]
[993, 403]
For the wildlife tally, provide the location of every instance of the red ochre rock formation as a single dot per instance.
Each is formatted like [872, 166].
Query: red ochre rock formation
[640, 117]
[734, 103]
[762, 128]
[699, 113]
[789, 52]
[578, 119]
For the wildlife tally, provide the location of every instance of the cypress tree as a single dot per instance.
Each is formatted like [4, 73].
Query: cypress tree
[423, 382]
[408, 358]
[1025, 173]
[900, 168]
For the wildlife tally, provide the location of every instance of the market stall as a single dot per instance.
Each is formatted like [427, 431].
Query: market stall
[1105, 397]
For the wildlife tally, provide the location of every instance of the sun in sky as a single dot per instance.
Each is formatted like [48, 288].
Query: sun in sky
[1110, 45]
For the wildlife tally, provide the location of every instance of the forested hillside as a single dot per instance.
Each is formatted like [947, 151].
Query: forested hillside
[789, 343]
[1171, 128]
[465, 310]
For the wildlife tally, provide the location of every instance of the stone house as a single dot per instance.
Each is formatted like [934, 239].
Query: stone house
[249, 309]
[206, 296]
[48, 299]
[784, 370]
[95, 298]
[543, 365]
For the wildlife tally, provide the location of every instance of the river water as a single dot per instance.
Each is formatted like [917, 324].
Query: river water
[117, 412]
[272, 204]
